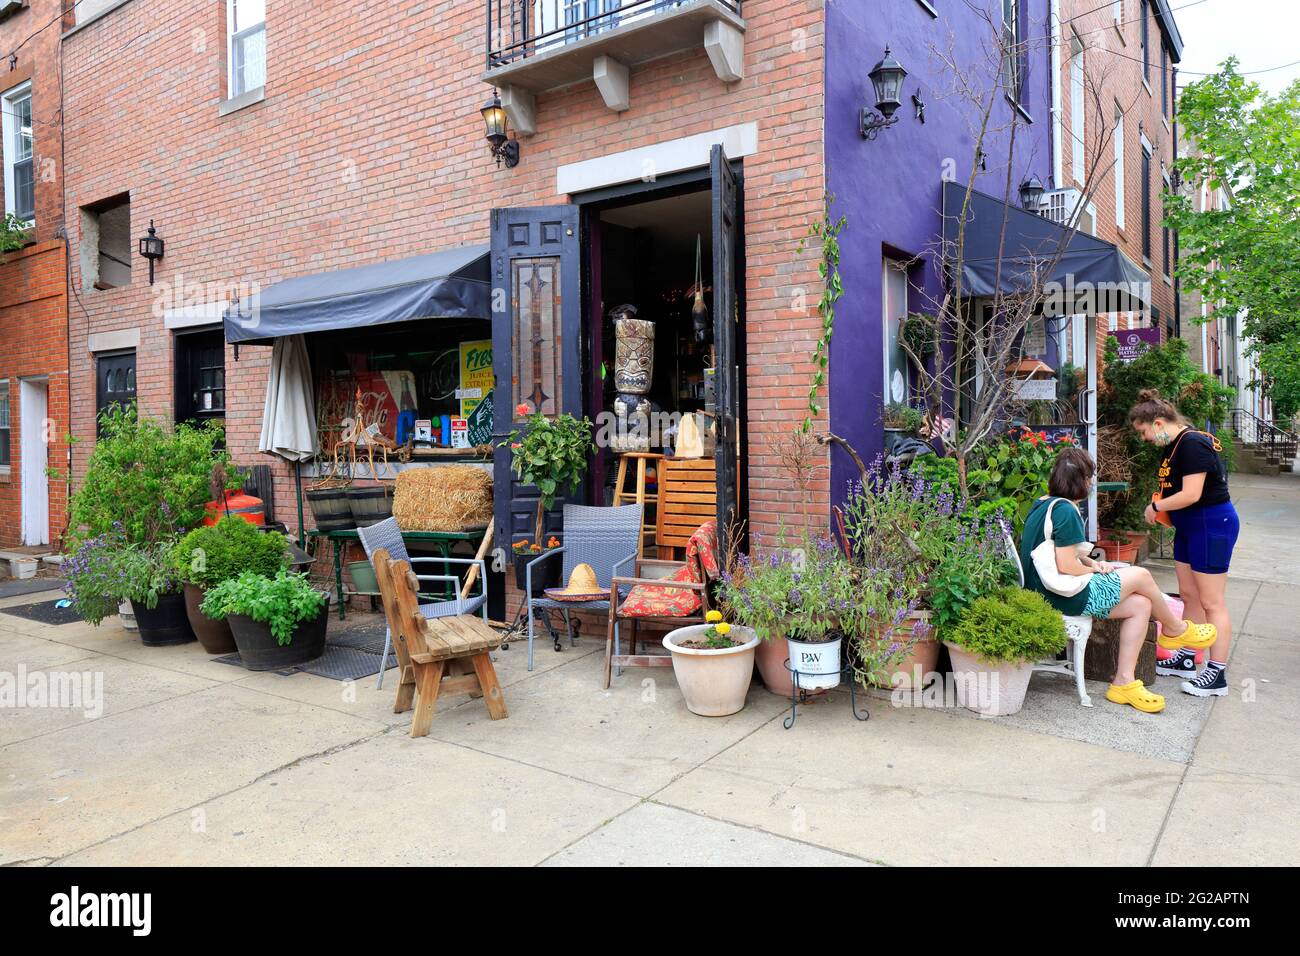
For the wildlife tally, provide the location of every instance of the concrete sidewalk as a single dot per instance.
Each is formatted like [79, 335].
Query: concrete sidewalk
[195, 762]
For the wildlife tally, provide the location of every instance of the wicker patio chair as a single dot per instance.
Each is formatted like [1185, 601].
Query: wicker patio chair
[606, 539]
[387, 536]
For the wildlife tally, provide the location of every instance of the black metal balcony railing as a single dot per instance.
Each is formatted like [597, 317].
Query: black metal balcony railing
[1277, 443]
[524, 28]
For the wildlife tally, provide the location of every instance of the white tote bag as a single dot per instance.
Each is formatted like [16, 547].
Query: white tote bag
[1066, 585]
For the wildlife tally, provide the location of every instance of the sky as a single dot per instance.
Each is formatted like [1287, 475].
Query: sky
[1261, 33]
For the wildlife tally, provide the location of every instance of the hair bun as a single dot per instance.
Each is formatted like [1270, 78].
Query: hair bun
[1149, 395]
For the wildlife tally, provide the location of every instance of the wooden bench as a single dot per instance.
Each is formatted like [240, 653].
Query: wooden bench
[449, 654]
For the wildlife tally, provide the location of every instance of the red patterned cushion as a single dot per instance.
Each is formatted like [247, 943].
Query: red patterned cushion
[653, 600]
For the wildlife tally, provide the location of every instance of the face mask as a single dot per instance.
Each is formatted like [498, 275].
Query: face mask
[1161, 438]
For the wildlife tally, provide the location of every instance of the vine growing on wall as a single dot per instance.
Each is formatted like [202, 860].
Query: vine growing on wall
[827, 232]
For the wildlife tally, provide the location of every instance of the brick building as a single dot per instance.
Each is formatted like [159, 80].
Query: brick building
[288, 142]
[1113, 99]
[33, 280]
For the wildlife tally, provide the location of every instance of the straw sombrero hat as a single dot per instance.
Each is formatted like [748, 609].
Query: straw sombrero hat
[582, 586]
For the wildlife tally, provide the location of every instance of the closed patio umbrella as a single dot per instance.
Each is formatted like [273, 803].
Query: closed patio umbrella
[289, 417]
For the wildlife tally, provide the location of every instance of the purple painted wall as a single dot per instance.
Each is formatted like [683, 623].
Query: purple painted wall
[888, 188]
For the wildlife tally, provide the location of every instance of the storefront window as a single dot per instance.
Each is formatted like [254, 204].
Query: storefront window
[895, 310]
[536, 340]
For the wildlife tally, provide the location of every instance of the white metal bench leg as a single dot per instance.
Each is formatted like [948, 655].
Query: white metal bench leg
[1079, 630]
[383, 661]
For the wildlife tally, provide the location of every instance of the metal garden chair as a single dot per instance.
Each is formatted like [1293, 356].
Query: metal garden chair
[387, 536]
[606, 539]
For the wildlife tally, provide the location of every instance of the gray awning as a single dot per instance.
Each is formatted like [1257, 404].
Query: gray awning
[1092, 275]
[451, 284]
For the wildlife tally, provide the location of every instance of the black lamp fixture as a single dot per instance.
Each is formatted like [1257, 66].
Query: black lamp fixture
[499, 142]
[887, 81]
[1031, 193]
[151, 247]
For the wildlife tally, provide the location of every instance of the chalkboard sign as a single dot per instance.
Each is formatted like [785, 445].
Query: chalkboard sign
[480, 421]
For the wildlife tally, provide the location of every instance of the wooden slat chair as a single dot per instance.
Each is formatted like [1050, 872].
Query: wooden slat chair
[688, 496]
[660, 584]
[449, 654]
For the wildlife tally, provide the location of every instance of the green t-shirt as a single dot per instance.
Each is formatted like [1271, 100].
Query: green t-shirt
[1067, 529]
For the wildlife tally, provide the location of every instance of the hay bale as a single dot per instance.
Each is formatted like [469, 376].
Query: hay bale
[443, 498]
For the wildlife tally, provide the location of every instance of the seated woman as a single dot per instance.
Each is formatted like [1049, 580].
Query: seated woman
[1128, 595]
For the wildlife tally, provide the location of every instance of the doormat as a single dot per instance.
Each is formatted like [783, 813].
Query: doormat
[339, 662]
[44, 612]
[16, 587]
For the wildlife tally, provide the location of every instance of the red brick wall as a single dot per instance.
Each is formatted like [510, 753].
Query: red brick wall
[1113, 63]
[38, 61]
[369, 146]
[33, 330]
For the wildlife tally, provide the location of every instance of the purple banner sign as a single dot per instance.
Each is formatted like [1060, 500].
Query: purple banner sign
[1133, 342]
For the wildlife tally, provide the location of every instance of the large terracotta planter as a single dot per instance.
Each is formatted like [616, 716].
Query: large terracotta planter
[713, 682]
[215, 636]
[921, 659]
[770, 656]
[989, 689]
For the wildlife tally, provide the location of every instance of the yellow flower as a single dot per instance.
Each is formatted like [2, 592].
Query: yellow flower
[724, 628]
[713, 617]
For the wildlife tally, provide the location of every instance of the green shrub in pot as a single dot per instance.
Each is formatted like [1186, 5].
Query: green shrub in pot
[211, 554]
[281, 603]
[1010, 626]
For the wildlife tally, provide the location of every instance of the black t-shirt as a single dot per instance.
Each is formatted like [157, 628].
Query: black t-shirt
[1194, 454]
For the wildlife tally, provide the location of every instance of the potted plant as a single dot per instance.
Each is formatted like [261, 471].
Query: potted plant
[93, 581]
[277, 622]
[713, 663]
[545, 575]
[210, 554]
[995, 644]
[550, 454]
[900, 420]
[154, 590]
[755, 593]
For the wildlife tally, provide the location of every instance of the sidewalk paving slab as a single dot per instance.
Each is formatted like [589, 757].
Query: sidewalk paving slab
[655, 835]
[1231, 819]
[74, 787]
[122, 686]
[913, 787]
[388, 801]
[635, 737]
[36, 652]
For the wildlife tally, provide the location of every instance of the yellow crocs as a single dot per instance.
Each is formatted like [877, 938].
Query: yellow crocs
[1197, 637]
[1137, 696]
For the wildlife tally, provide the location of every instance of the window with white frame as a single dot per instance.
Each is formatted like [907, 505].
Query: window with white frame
[4, 424]
[19, 171]
[1076, 108]
[1012, 50]
[246, 51]
[894, 310]
[1119, 167]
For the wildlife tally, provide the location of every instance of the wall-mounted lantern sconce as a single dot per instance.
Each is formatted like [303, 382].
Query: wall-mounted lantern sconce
[499, 142]
[1031, 194]
[887, 81]
[151, 247]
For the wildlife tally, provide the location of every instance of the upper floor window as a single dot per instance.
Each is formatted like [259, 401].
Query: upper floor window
[1164, 79]
[19, 171]
[1012, 50]
[1119, 167]
[1117, 12]
[246, 28]
[1144, 13]
[1077, 130]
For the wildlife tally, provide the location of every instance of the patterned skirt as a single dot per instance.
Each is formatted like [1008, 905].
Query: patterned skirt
[1103, 594]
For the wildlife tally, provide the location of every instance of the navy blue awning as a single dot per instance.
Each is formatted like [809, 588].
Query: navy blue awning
[450, 284]
[1088, 266]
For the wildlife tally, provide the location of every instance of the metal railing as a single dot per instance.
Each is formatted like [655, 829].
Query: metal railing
[1277, 443]
[523, 28]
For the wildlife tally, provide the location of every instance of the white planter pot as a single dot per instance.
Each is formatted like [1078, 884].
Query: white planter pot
[714, 682]
[126, 614]
[988, 689]
[818, 664]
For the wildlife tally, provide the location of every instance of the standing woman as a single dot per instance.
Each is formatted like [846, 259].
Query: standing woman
[1193, 493]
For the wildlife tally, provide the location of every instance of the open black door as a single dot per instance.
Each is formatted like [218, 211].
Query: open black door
[726, 321]
[536, 344]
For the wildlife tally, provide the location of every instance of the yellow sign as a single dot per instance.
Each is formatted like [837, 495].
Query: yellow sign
[475, 374]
